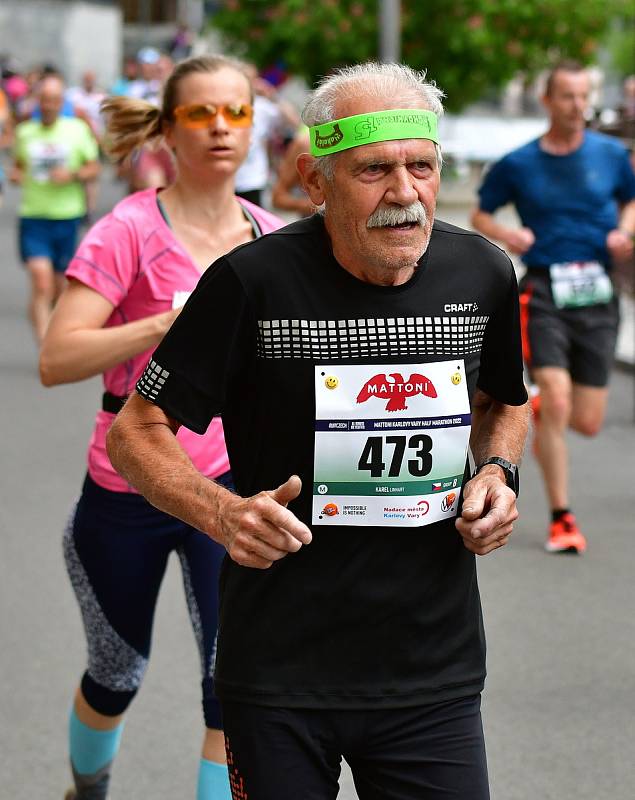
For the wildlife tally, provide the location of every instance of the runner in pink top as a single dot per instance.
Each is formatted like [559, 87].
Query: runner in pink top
[132, 258]
[127, 282]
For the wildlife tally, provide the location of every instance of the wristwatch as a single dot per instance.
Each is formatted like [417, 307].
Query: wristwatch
[510, 470]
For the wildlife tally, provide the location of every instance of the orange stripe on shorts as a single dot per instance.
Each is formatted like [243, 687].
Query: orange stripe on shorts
[525, 297]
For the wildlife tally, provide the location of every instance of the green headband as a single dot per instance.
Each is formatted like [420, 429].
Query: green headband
[377, 126]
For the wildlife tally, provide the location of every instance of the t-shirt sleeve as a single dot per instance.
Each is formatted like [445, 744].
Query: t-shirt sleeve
[107, 259]
[211, 343]
[626, 182]
[501, 369]
[496, 189]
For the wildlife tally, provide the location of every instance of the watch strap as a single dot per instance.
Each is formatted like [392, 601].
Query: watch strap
[510, 470]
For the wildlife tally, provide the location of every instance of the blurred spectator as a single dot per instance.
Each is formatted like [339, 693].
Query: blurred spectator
[626, 113]
[121, 86]
[627, 107]
[15, 86]
[287, 193]
[181, 45]
[27, 101]
[273, 117]
[164, 68]
[85, 100]
[150, 166]
[147, 86]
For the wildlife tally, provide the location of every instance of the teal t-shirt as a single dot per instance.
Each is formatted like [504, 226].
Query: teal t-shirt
[39, 149]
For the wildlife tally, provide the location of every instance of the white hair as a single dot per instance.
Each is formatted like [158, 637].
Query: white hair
[402, 84]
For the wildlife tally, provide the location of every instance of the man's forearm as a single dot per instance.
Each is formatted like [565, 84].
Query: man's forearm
[144, 450]
[498, 429]
[486, 224]
[627, 219]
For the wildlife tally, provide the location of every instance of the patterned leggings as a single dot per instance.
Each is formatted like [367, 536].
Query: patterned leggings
[116, 549]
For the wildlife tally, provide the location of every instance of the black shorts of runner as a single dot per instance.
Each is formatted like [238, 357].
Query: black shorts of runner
[580, 340]
[433, 752]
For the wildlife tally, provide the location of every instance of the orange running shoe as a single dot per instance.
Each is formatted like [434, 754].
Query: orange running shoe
[565, 536]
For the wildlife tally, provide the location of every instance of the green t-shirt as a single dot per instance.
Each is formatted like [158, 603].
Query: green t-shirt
[67, 143]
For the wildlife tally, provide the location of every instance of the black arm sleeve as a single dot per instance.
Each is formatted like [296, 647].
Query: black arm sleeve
[501, 369]
[212, 337]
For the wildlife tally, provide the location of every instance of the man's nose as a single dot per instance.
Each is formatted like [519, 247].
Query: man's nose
[580, 104]
[401, 189]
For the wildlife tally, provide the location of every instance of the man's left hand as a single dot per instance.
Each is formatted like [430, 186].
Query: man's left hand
[619, 244]
[489, 511]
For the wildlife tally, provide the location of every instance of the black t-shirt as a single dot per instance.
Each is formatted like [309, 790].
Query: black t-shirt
[363, 616]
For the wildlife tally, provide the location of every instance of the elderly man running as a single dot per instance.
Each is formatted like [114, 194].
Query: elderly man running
[356, 357]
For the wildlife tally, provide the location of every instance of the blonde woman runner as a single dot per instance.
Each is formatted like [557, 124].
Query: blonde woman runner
[127, 282]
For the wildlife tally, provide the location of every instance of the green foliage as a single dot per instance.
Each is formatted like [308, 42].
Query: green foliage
[467, 46]
[621, 47]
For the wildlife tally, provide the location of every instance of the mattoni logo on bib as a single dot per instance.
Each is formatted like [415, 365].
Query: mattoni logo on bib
[397, 390]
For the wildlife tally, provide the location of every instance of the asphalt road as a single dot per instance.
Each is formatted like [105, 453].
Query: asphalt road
[560, 699]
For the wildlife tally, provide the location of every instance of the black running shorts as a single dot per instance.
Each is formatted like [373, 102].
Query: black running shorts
[581, 340]
[433, 752]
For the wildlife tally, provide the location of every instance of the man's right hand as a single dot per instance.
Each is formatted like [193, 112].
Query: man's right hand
[519, 240]
[258, 530]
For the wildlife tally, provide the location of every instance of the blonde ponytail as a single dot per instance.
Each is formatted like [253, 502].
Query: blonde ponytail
[130, 123]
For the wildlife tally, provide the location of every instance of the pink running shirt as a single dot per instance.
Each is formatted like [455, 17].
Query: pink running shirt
[131, 258]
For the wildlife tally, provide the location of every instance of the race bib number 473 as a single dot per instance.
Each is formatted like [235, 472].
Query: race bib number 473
[390, 443]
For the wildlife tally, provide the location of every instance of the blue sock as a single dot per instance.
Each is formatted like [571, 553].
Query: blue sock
[91, 750]
[213, 781]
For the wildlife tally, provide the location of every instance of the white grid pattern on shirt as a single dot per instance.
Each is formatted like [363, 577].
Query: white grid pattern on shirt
[152, 381]
[362, 338]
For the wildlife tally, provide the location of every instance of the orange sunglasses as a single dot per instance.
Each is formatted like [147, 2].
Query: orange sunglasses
[201, 115]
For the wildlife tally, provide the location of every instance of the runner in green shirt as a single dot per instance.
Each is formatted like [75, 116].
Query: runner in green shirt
[53, 156]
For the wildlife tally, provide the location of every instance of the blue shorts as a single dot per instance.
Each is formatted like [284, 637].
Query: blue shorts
[116, 549]
[55, 239]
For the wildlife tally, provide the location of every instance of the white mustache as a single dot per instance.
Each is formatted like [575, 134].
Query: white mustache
[397, 215]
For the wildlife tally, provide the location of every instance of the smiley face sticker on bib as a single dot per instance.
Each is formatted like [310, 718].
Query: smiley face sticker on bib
[390, 443]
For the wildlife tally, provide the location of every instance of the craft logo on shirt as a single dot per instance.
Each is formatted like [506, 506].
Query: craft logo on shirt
[448, 501]
[396, 390]
[460, 307]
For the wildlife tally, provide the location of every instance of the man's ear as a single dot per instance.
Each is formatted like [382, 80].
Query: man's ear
[312, 179]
